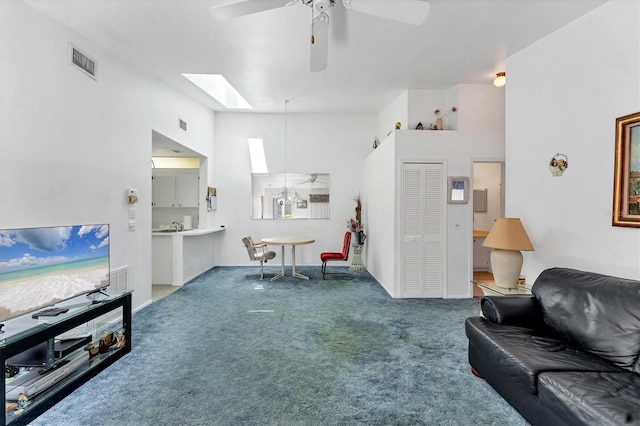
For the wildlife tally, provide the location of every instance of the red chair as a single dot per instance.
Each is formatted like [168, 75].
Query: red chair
[344, 255]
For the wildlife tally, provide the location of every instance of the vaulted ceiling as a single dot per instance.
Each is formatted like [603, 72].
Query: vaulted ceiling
[265, 56]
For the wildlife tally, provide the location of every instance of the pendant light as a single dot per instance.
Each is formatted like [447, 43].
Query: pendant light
[289, 195]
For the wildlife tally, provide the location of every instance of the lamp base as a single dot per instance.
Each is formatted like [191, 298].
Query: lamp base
[506, 266]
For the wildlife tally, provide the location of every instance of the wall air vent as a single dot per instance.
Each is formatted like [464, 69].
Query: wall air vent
[84, 62]
[182, 124]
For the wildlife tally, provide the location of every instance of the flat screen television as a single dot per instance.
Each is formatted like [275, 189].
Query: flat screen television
[40, 267]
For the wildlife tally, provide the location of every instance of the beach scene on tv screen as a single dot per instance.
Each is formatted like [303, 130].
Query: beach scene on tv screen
[42, 266]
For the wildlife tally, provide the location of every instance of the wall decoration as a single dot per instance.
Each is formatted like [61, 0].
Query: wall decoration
[458, 190]
[301, 204]
[558, 164]
[319, 198]
[626, 182]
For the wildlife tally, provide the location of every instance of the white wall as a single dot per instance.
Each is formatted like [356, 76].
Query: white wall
[563, 96]
[316, 143]
[397, 110]
[70, 146]
[423, 103]
[488, 176]
[379, 213]
[480, 137]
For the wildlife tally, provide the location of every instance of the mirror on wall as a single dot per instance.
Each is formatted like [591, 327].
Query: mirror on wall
[290, 196]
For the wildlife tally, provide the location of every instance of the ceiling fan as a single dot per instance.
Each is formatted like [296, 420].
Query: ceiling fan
[408, 11]
[313, 178]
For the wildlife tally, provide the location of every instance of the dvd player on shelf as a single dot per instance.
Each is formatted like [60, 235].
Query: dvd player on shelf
[35, 382]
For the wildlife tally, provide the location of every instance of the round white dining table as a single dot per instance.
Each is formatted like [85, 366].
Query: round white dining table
[293, 241]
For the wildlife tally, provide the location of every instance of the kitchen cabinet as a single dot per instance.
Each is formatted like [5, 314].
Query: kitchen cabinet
[481, 254]
[175, 190]
[187, 190]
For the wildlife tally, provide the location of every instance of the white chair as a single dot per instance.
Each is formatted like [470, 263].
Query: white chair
[258, 252]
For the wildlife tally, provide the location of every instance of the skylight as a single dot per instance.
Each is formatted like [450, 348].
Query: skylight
[258, 160]
[216, 86]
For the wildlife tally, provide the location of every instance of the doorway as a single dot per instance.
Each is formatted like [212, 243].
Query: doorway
[177, 173]
[488, 205]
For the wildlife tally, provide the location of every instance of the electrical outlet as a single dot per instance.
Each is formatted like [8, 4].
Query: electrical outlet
[132, 213]
[132, 225]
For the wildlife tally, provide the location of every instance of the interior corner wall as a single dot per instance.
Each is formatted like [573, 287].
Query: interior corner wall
[70, 146]
[396, 111]
[563, 95]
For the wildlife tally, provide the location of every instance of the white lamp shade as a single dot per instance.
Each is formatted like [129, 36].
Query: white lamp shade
[500, 79]
[508, 233]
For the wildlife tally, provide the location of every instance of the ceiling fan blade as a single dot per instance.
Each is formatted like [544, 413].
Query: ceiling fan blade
[408, 11]
[227, 9]
[319, 43]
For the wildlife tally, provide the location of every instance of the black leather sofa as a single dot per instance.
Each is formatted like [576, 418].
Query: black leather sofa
[568, 354]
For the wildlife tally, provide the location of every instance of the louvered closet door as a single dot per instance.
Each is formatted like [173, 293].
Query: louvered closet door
[423, 228]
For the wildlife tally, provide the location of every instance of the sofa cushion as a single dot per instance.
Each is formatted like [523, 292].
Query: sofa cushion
[521, 311]
[592, 397]
[598, 313]
[523, 353]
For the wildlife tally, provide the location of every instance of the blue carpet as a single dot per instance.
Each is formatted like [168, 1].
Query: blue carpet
[229, 349]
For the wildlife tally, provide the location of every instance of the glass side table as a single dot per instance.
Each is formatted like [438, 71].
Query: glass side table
[490, 289]
[356, 263]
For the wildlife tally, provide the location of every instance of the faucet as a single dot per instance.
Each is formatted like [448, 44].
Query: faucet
[179, 226]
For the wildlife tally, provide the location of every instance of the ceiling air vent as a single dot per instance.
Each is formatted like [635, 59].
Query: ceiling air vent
[182, 124]
[84, 62]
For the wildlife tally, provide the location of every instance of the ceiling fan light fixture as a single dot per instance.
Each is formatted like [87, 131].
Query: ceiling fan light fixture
[323, 5]
[501, 79]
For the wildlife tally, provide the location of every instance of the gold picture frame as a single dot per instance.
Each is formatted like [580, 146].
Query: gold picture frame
[626, 182]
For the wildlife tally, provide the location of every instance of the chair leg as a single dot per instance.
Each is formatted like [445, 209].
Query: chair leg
[261, 271]
[324, 268]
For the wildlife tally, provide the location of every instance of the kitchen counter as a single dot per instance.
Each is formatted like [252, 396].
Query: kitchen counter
[479, 233]
[179, 257]
[186, 233]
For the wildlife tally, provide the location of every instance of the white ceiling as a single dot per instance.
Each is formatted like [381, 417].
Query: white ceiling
[266, 55]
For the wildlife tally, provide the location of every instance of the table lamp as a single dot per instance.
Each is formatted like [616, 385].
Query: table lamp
[507, 237]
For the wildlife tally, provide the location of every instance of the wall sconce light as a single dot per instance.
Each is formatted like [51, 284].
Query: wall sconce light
[500, 79]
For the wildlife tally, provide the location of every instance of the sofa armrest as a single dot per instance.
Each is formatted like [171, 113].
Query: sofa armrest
[520, 311]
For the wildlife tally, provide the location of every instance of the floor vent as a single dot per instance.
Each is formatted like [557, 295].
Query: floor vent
[182, 124]
[119, 279]
[82, 61]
